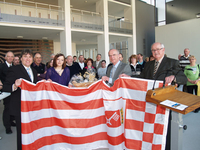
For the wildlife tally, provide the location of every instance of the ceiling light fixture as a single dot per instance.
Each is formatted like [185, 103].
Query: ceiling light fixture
[44, 38]
[198, 15]
[20, 37]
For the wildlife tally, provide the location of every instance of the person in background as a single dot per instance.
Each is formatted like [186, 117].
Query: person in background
[89, 67]
[59, 72]
[151, 58]
[72, 67]
[146, 59]
[51, 57]
[140, 60]
[13, 81]
[4, 67]
[192, 73]
[97, 64]
[39, 66]
[121, 57]
[135, 67]
[50, 64]
[74, 59]
[102, 70]
[80, 65]
[184, 59]
[16, 60]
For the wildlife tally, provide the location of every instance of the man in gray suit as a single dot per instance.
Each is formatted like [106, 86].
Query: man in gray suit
[117, 68]
[97, 64]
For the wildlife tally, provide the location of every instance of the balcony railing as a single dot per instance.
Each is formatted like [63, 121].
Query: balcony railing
[30, 20]
[119, 26]
[86, 20]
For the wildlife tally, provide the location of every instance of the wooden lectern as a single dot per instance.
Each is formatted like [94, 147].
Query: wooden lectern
[173, 94]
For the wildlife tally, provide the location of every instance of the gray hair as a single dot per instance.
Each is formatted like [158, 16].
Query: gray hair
[9, 52]
[69, 56]
[162, 45]
[113, 49]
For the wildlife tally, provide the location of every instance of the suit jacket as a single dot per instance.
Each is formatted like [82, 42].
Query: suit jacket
[79, 67]
[14, 73]
[167, 67]
[3, 72]
[94, 64]
[122, 68]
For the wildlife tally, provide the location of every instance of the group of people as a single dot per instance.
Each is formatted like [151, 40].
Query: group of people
[60, 69]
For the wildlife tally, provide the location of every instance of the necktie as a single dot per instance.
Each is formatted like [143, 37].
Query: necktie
[28, 71]
[113, 71]
[155, 68]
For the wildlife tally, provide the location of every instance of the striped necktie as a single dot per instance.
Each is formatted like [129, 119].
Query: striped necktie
[28, 71]
[155, 68]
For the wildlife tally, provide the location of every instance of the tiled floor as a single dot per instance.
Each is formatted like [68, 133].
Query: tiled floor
[191, 136]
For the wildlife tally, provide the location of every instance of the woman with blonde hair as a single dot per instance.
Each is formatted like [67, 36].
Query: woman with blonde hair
[192, 73]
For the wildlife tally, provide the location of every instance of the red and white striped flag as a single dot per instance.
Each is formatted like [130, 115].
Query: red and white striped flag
[55, 117]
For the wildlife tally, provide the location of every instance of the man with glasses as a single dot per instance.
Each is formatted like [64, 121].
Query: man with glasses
[163, 68]
[116, 68]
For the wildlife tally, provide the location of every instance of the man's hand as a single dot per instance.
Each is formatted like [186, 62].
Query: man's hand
[123, 75]
[105, 78]
[18, 82]
[169, 79]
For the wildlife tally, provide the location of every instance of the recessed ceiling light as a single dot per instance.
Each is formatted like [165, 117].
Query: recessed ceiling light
[83, 40]
[20, 37]
[44, 38]
[85, 1]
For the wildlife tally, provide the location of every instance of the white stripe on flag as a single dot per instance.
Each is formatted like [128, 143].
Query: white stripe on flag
[61, 114]
[125, 93]
[135, 115]
[133, 134]
[114, 132]
[87, 146]
[53, 130]
[52, 95]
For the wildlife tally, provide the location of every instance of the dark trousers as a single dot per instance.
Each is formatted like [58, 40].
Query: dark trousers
[7, 118]
[19, 137]
[191, 88]
[168, 139]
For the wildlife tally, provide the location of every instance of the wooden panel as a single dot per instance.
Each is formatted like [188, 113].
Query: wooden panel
[171, 93]
[45, 47]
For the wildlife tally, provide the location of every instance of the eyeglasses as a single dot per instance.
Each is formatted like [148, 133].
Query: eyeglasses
[112, 55]
[153, 50]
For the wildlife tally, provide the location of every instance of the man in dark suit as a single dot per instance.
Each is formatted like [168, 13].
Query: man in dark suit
[7, 118]
[11, 85]
[163, 68]
[80, 65]
[97, 64]
[117, 68]
[167, 69]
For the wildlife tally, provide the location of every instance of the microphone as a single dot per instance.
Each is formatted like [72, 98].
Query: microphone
[161, 73]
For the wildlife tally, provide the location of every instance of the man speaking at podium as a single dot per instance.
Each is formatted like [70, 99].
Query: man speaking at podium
[166, 69]
[163, 68]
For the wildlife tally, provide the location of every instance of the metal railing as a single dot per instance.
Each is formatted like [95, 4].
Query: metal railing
[30, 20]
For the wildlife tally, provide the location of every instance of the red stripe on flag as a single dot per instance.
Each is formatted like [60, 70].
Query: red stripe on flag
[133, 144]
[64, 123]
[158, 128]
[27, 106]
[148, 137]
[58, 138]
[160, 110]
[135, 105]
[156, 147]
[116, 140]
[149, 118]
[134, 125]
[129, 83]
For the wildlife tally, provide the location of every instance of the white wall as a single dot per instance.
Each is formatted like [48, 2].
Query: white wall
[178, 36]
